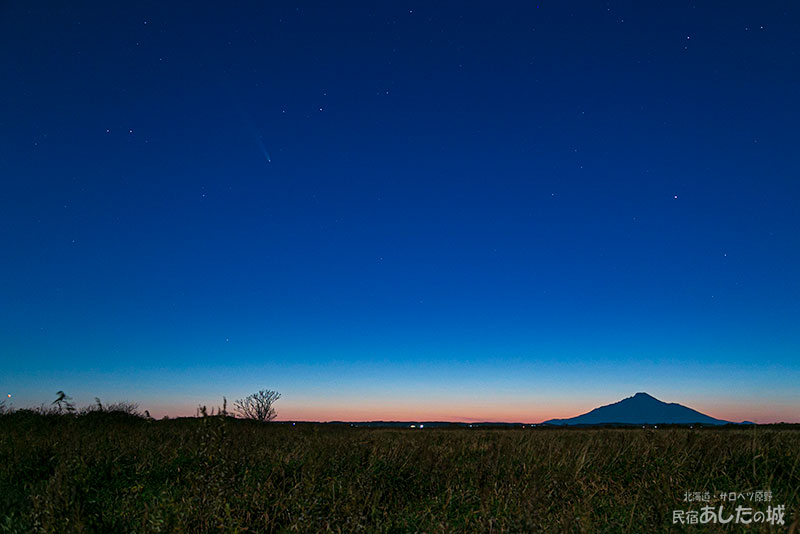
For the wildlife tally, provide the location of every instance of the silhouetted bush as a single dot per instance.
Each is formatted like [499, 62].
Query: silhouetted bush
[258, 406]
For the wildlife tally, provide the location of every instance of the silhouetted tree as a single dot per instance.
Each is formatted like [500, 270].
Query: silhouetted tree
[64, 402]
[258, 406]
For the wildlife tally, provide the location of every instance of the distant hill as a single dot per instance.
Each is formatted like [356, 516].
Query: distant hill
[641, 409]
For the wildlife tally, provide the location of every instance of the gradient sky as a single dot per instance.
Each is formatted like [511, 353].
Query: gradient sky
[402, 210]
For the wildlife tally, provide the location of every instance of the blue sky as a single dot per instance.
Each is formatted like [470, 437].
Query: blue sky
[401, 210]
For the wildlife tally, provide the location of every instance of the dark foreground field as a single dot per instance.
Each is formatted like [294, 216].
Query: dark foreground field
[120, 474]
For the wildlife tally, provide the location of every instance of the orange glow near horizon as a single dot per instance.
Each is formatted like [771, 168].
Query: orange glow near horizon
[391, 411]
[474, 412]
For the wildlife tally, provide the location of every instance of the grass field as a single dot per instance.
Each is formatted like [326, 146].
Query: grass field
[115, 473]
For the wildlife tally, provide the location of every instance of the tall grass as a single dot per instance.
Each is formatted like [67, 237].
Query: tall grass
[106, 472]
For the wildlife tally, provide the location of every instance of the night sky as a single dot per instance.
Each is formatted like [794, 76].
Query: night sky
[402, 210]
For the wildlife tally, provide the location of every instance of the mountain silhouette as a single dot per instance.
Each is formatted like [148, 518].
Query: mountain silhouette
[641, 409]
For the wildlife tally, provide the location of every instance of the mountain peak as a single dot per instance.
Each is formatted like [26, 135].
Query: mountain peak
[640, 409]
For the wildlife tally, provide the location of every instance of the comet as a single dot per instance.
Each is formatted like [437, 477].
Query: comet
[263, 148]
